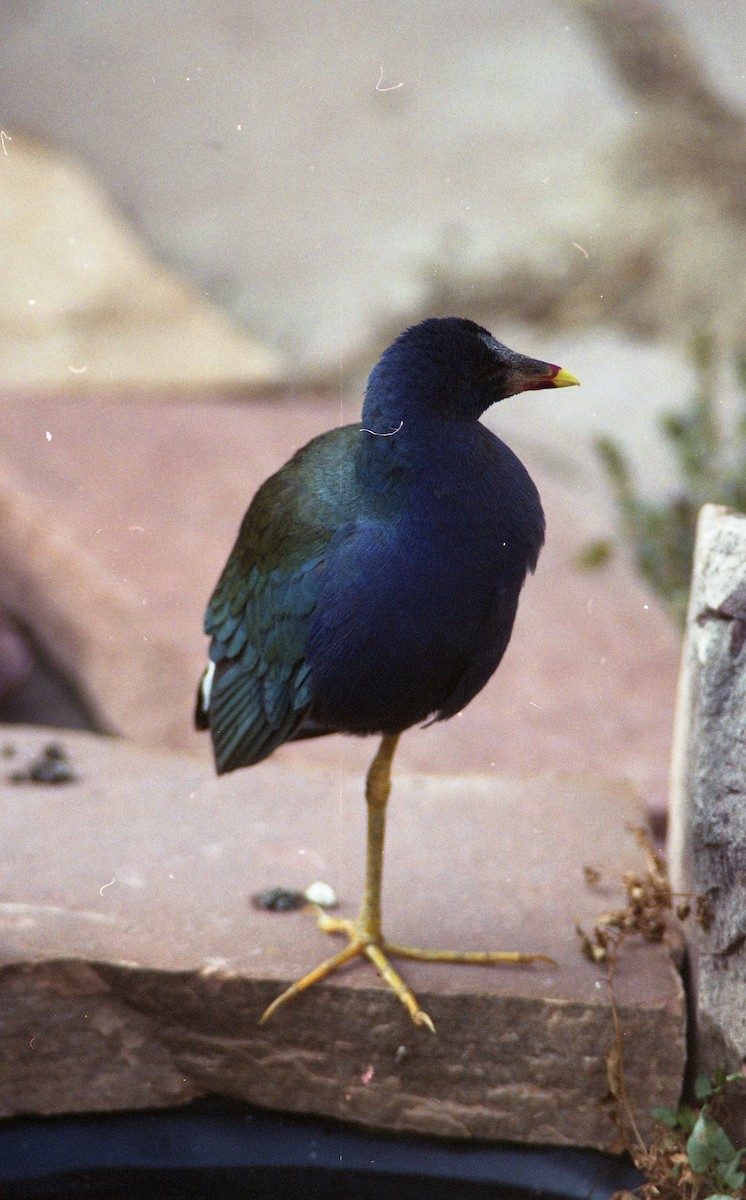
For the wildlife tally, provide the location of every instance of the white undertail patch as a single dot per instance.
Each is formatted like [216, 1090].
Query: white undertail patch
[205, 687]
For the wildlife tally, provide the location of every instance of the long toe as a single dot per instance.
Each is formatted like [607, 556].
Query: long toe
[485, 958]
[327, 967]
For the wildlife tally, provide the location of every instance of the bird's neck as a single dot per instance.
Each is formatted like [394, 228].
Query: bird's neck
[400, 447]
[408, 448]
[393, 457]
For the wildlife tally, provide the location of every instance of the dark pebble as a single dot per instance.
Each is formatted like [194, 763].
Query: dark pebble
[55, 750]
[51, 770]
[279, 899]
[51, 766]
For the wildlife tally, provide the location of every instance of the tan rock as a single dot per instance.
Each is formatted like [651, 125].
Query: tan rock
[110, 556]
[82, 303]
[134, 968]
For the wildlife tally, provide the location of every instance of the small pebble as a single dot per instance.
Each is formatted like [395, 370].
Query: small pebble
[55, 750]
[51, 766]
[321, 894]
[51, 770]
[279, 899]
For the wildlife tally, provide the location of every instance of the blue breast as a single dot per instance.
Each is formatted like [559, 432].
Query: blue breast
[415, 611]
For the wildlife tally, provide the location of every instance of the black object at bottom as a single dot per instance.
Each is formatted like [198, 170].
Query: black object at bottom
[227, 1152]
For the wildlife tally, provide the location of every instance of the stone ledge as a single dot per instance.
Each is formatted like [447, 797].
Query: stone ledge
[133, 968]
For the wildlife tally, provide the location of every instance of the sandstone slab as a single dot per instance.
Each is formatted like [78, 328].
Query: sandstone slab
[134, 968]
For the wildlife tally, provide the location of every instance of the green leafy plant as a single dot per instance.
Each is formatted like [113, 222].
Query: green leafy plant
[710, 456]
[702, 1161]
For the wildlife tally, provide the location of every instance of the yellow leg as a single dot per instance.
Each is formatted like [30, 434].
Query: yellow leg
[364, 934]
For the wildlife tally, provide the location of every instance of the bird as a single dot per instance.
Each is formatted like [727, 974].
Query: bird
[373, 586]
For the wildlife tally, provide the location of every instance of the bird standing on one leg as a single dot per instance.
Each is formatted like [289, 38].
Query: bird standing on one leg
[374, 584]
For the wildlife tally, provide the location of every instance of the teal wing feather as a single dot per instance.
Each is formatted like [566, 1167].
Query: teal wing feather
[261, 688]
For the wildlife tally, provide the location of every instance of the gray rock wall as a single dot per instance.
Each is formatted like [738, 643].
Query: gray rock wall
[708, 817]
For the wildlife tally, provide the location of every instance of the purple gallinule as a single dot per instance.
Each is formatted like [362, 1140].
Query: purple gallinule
[374, 583]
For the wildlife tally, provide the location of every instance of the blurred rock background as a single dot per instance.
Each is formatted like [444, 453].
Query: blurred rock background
[215, 214]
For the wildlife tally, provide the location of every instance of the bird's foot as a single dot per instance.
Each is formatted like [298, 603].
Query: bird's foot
[362, 942]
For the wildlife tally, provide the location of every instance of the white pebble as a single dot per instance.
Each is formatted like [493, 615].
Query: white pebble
[321, 894]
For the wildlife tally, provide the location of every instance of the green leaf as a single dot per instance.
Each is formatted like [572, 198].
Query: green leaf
[703, 1089]
[709, 452]
[702, 348]
[729, 1174]
[614, 463]
[687, 1118]
[666, 1116]
[595, 554]
[707, 1144]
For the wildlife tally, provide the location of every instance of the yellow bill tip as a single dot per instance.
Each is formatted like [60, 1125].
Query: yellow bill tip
[563, 378]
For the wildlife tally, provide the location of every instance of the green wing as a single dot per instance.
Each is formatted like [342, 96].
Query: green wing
[260, 689]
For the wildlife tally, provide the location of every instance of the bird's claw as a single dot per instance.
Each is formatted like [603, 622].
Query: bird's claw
[421, 1018]
[360, 943]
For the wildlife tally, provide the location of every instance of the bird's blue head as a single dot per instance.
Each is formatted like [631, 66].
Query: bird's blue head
[452, 368]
